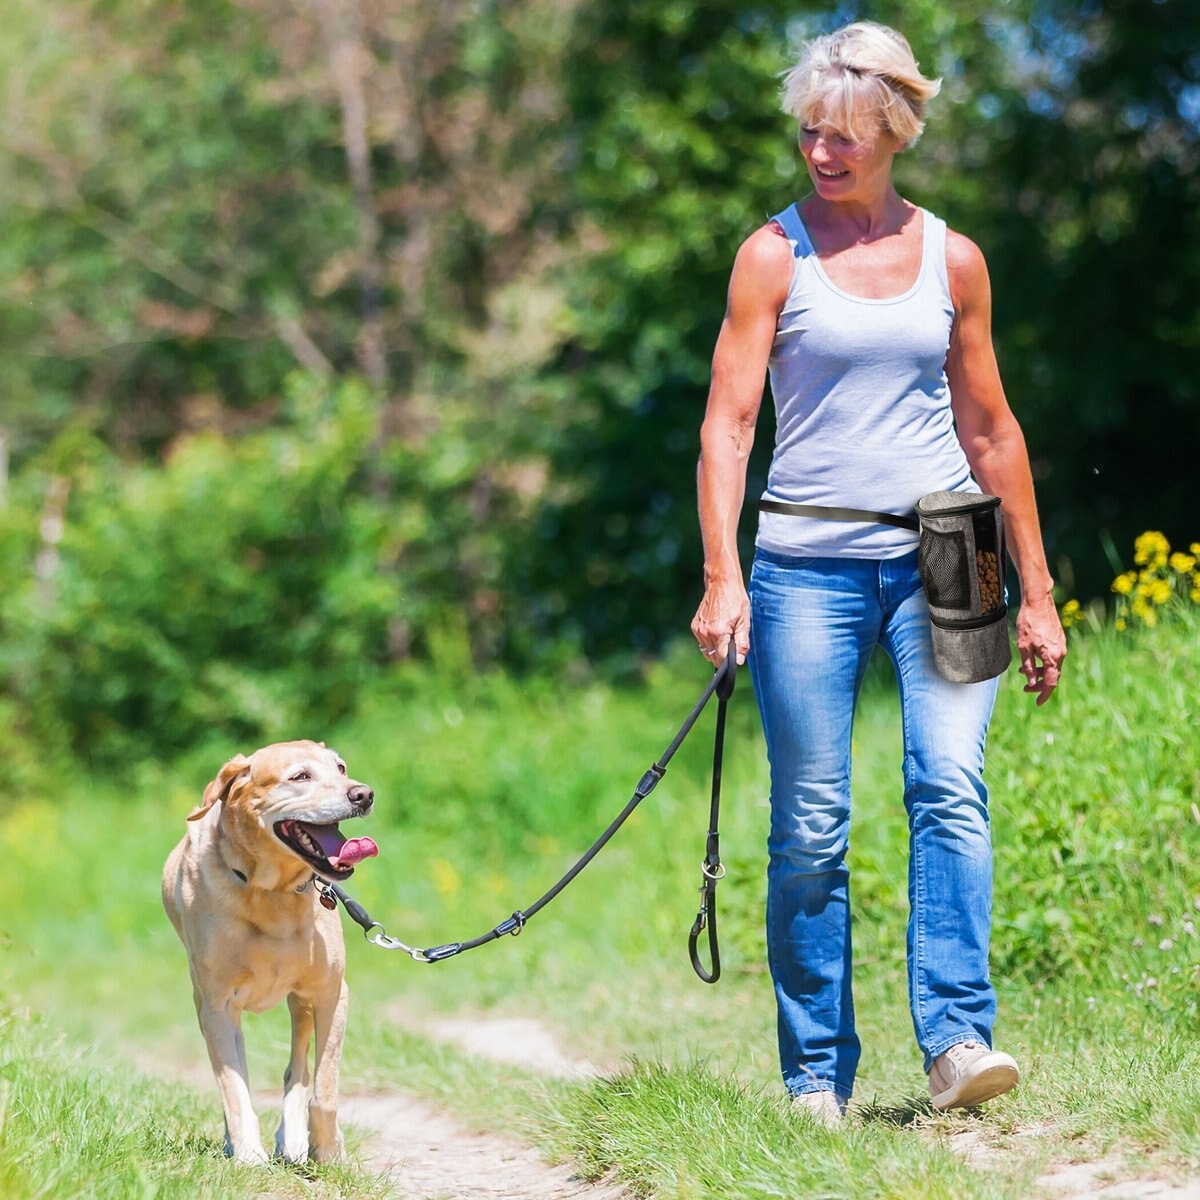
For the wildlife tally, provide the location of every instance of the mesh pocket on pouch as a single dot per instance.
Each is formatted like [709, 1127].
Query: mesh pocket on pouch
[942, 562]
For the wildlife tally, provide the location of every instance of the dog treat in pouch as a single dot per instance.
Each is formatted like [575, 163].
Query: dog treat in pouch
[961, 562]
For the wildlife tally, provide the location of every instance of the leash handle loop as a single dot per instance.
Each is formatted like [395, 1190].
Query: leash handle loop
[707, 916]
[712, 869]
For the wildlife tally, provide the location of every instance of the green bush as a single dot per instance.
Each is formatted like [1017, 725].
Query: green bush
[249, 587]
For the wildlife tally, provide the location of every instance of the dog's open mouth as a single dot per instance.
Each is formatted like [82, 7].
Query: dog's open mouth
[324, 846]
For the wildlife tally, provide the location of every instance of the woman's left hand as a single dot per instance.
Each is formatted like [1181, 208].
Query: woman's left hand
[1042, 646]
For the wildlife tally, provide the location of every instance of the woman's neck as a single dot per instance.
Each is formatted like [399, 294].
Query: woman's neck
[859, 219]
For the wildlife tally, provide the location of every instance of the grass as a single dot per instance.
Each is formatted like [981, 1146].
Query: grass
[72, 1128]
[489, 788]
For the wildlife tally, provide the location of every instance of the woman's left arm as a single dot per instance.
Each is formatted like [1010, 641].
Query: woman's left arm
[995, 448]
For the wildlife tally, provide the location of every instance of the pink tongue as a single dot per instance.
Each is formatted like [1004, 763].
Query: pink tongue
[354, 851]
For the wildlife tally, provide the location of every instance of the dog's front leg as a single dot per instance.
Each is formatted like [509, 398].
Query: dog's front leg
[222, 1029]
[291, 1142]
[324, 1136]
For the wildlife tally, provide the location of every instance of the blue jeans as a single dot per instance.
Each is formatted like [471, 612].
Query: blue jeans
[814, 624]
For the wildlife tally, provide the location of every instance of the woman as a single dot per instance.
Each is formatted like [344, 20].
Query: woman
[874, 322]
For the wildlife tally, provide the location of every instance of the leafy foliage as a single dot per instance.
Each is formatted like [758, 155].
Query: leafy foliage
[506, 231]
[248, 586]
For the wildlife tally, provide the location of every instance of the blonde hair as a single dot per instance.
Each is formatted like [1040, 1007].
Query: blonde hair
[859, 78]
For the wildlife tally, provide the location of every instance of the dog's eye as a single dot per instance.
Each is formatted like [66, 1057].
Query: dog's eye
[300, 777]
[342, 768]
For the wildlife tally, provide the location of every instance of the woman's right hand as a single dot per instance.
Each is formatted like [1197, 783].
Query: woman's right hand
[724, 612]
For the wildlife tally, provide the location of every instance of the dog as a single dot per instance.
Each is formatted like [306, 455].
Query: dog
[246, 892]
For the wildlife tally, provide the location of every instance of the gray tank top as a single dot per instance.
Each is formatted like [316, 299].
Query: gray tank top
[862, 404]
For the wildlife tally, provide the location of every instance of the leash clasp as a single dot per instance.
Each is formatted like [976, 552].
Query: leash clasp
[386, 942]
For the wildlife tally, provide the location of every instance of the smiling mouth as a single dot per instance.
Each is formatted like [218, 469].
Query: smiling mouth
[324, 847]
[831, 174]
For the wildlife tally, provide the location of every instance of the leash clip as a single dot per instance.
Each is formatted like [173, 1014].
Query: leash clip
[386, 942]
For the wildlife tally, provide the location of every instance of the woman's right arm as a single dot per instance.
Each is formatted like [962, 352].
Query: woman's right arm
[758, 288]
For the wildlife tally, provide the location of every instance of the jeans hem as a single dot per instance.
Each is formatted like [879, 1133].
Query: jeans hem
[940, 1048]
[808, 1089]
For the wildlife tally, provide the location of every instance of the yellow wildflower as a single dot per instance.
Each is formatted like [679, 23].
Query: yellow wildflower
[1072, 614]
[1194, 548]
[1149, 547]
[1182, 562]
[1123, 584]
[1160, 591]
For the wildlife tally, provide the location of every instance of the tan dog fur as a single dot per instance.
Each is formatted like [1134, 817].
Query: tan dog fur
[249, 915]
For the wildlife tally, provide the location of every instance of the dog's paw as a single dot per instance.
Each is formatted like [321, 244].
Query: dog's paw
[292, 1149]
[250, 1155]
[328, 1151]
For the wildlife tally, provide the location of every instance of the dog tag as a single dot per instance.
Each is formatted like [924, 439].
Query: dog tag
[328, 900]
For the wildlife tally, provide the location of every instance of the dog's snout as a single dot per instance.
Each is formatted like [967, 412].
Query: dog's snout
[361, 797]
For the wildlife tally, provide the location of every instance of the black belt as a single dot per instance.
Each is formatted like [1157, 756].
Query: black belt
[821, 513]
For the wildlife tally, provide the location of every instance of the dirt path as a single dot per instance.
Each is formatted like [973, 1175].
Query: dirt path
[427, 1156]
[521, 1041]
[422, 1153]
[527, 1043]
[1107, 1178]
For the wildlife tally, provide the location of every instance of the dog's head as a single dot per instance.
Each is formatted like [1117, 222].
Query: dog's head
[284, 803]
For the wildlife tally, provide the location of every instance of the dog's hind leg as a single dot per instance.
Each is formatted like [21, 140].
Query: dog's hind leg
[222, 1029]
[291, 1142]
[325, 1138]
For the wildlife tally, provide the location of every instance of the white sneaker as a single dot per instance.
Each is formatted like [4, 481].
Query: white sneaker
[825, 1107]
[969, 1073]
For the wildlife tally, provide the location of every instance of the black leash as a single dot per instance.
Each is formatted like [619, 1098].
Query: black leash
[722, 684]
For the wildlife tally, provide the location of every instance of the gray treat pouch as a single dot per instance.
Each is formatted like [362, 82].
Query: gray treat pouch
[961, 561]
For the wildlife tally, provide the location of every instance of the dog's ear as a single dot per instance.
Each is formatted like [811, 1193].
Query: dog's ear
[219, 788]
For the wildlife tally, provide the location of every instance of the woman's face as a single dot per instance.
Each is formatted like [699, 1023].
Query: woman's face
[845, 168]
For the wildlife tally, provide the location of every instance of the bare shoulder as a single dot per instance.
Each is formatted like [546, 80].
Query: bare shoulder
[963, 256]
[764, 263]
[967, 269]
[767, 248]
